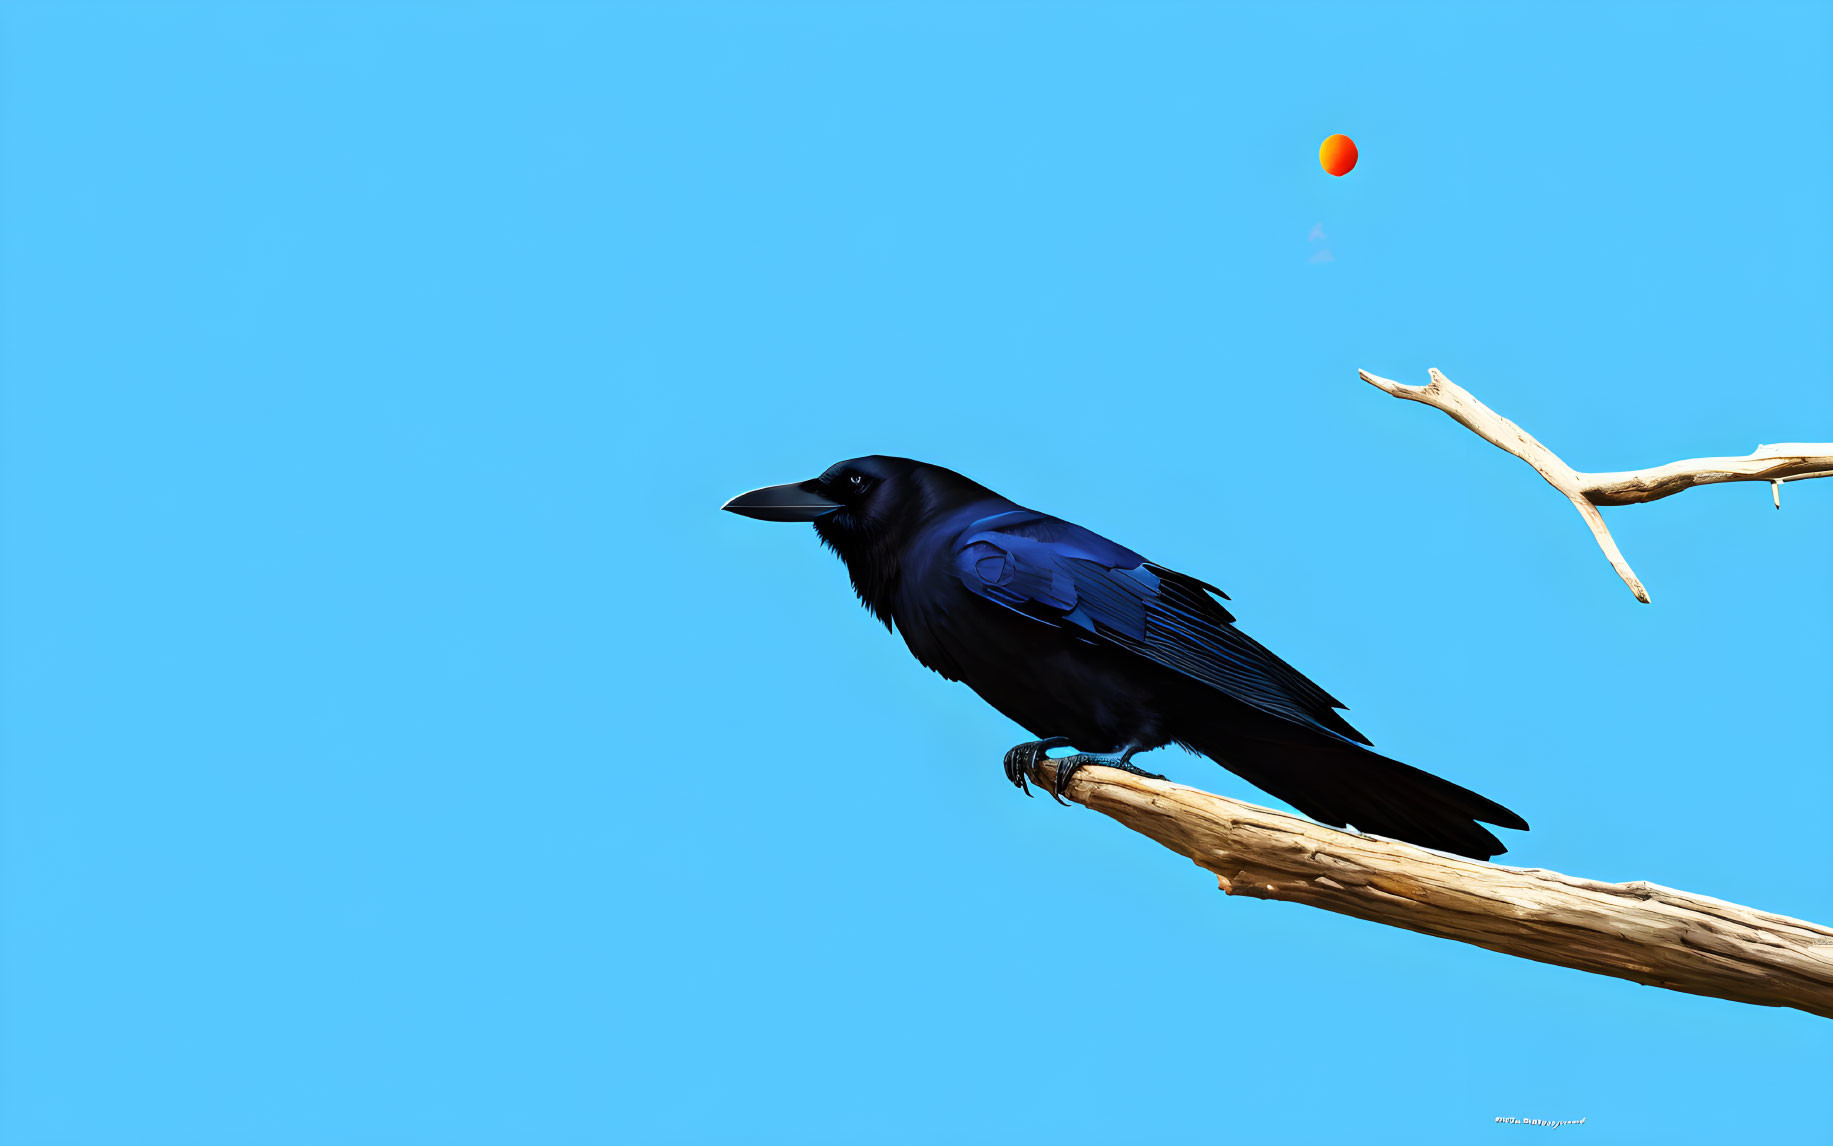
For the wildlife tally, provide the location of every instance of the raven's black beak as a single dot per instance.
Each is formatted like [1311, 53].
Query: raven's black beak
[798, 502]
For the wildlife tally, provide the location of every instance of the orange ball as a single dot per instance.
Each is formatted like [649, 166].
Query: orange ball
[1338, 154]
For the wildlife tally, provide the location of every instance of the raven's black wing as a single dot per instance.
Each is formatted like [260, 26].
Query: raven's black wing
[1067, 576]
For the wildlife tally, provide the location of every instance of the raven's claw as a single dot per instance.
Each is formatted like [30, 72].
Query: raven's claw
[1021, 758]
[1024, 757]
[1069, 765]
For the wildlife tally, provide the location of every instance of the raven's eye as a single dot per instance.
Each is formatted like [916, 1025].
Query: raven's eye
[858, 482]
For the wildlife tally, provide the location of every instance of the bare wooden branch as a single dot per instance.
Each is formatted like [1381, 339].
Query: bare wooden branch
[1790, 461]
[1785, 461]
[1639, 931]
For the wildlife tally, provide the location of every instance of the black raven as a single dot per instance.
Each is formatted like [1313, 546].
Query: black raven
[1087, 644]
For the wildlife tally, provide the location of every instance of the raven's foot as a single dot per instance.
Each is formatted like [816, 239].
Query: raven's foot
[1069, 765]
[1021, 759]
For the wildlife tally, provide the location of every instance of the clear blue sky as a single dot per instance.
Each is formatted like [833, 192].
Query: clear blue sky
[400, 747]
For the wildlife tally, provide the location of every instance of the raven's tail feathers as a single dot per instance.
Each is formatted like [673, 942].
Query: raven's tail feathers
[1344, 784]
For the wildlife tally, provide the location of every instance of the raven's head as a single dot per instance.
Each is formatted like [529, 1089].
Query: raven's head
[866, 509]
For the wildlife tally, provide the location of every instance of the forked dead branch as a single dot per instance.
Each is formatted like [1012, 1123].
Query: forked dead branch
[1788, 461]
[1638, 931]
